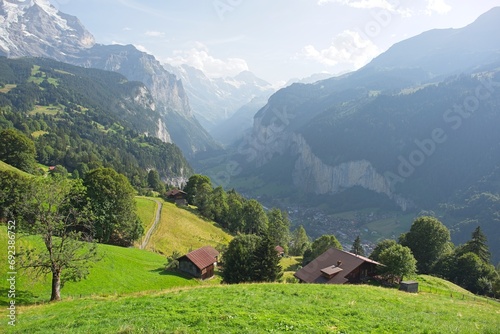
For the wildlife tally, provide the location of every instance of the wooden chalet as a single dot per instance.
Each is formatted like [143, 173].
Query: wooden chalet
[199, 263]
[177, 196]
[337, 267]
[280, 250]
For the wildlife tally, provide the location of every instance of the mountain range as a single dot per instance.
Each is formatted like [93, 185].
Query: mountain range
[34, 28]
[415, 129]
[216, 100]
[82, 118]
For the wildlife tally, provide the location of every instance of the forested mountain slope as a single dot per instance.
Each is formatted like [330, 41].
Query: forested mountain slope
[84, 118]
[416, 129]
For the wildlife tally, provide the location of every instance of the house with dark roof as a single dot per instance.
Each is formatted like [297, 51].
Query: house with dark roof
[199, 263]
[280, 250]
[337, 267]
[177, 196]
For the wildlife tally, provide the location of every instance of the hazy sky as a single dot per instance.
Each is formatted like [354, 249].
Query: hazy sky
[275, 39]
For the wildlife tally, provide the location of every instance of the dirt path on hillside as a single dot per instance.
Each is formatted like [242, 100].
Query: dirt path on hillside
[155, 224]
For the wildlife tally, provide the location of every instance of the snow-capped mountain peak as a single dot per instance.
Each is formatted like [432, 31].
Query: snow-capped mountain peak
[35, 27]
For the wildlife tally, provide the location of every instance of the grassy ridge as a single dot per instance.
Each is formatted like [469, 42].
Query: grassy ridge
[265, 308]
[146, 210]
[6, 167]
[121, 270]
[182, 230]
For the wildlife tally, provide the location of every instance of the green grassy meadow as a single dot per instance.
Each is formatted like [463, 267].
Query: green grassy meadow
[120, 271]
[6, 167]
[180, 229]
[128, 291]
[47, 110]
[7, 88]
[264, 308]
[146, 210]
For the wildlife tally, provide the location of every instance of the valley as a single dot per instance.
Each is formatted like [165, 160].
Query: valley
[163, 173]
[129, 290]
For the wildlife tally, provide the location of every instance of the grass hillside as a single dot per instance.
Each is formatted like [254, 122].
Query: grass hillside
[180, 229]
[264, 308]
[121, 270]
[6, 167]
[146, 210]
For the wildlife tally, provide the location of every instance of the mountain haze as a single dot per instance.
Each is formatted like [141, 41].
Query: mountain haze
[413, 129]
[215, 100]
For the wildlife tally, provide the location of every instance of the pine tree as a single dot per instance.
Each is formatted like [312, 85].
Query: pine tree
[266, 261]
[478, 245]
[357, 248]
[299, 242]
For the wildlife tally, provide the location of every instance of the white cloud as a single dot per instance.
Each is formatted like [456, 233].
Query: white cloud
[363, 4]
[347, 48]
[200, 58]
[392, 6]
[154, 33]
[437, 6]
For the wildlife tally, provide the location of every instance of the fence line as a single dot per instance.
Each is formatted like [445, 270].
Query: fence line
[456, 294]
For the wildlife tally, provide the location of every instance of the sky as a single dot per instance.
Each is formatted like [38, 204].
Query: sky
[277, 40]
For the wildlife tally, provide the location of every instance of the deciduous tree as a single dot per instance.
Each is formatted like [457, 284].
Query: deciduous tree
[279, 227]
[154, 181]
[13, 189]
[203, 200]
[112, 202]
[254, 217]
[219, 207]
[17, 150]
[239, 259]
[319, 246]
[64, 229]
[428, 239]
[380, 247]
[193, 184]
[471, 272]
[299, 241]
[398, 262]
[235, 218]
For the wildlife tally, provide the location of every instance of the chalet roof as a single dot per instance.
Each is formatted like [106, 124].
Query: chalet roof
[202, 257]
[279, 249]
[174, 192]
[331, 270]
[333, 261]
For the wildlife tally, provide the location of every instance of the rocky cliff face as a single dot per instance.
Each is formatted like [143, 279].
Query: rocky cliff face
[178, 123]
[310, 174]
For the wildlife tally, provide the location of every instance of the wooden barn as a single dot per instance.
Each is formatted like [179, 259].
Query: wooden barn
[280, 250]
[179, 197]
[337, 267]
[199, 263]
